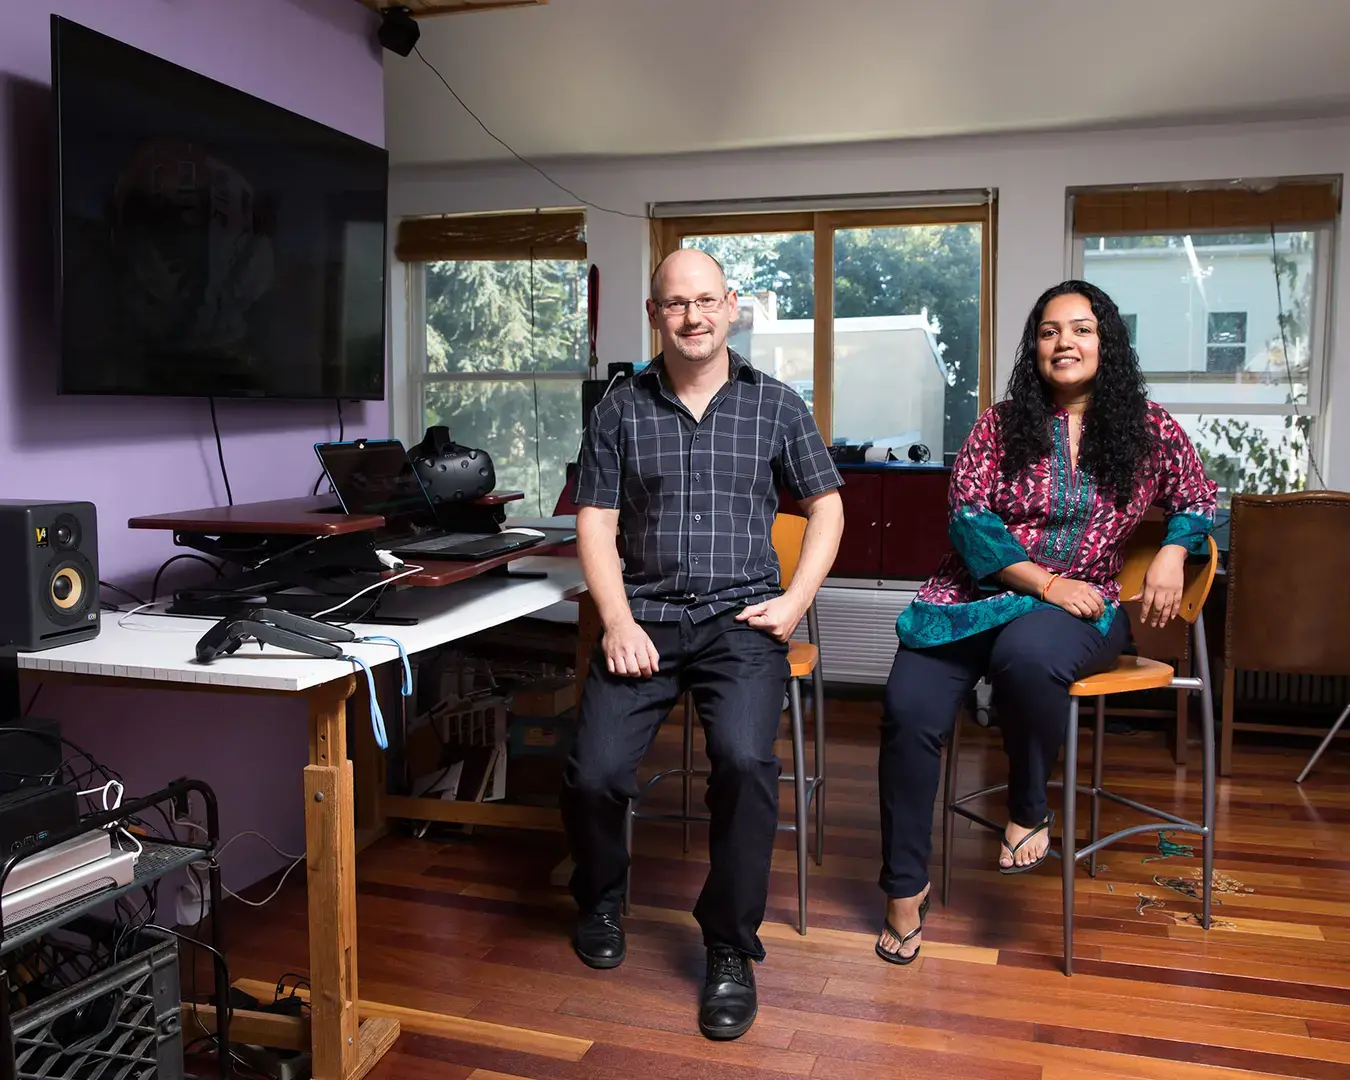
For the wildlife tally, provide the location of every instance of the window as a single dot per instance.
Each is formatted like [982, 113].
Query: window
[1232, 284]
[879, 319]
[499, 345]
[1226, 350]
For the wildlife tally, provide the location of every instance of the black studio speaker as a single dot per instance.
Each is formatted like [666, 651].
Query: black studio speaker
[48, 573]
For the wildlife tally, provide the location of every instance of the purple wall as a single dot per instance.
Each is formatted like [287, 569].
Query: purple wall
[130, 456]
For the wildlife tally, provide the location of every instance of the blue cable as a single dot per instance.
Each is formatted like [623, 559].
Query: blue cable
[403, 655]
[376, 717]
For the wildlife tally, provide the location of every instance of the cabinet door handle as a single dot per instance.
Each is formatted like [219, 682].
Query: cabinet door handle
[874, 524]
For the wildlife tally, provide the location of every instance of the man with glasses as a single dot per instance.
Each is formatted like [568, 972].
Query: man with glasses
[680, 472]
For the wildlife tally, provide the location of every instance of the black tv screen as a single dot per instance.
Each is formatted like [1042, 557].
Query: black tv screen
[209, 243]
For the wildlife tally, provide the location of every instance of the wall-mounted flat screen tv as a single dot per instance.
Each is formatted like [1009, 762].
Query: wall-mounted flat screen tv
[209, 243]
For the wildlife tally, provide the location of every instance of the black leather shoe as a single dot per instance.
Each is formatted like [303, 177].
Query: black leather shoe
[729, 1003]
[599, 940]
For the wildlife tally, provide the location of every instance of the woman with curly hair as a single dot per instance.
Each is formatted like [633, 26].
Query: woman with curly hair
[1045, 495]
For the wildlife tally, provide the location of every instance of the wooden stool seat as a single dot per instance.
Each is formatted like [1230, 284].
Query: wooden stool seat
[1130, 673]
[802, 658]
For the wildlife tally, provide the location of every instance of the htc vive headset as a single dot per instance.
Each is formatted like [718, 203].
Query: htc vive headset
[451, 473]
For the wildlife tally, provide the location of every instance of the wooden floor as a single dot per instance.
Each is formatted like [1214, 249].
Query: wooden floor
[466, 942]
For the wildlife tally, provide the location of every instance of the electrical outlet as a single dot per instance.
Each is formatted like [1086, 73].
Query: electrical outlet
[193, 905]
[182, 804]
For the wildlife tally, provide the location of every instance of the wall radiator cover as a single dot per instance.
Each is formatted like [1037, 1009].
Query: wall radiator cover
[1274, 688]
[858, 642]
[857, 629]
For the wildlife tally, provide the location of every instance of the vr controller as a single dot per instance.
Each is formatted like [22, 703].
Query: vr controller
[268, 626]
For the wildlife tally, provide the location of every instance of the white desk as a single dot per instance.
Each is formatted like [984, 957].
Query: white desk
[162, 649]
[161, 652]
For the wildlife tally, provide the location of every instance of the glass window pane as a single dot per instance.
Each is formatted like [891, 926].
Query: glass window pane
[1257, 454]
[530, 447]
[1225, 318]
[907, 336]
[774, 278]
[519, 315]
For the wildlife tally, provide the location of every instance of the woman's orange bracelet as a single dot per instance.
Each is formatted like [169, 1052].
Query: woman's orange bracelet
[1046, 587]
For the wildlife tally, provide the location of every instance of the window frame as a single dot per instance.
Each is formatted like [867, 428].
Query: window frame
[669, 232]
[409, 416]
[1319, 322]
[1211, 343]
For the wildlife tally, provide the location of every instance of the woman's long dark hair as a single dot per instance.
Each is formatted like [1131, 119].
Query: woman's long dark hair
[1115, 436]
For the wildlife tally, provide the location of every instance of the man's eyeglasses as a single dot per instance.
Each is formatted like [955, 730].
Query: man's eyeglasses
[671, 308]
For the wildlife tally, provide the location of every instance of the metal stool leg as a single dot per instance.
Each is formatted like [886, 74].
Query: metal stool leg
[1330, 736]
[1098, 740]
[948, 815]
[1207, 738]
[818, 719]
[686, 780]
[628, 847]
[1070, 824]
[799, 783]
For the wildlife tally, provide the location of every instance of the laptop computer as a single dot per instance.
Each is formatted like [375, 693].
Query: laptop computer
[376, 476]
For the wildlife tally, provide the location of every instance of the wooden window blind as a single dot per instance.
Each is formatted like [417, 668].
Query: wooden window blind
[493, 237]
[1170, 210]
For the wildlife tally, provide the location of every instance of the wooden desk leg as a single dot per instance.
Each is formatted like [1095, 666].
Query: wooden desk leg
[342, 1048]
[368, 760]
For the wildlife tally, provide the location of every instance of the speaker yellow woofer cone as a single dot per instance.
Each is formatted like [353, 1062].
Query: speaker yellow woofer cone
[67, 588]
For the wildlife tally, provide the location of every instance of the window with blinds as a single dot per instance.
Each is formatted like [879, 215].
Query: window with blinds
[1226, 286]
[498, 341]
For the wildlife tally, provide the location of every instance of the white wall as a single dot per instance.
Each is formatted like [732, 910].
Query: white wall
[1030, 172]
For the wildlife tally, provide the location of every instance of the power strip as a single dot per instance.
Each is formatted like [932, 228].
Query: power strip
[193, 904]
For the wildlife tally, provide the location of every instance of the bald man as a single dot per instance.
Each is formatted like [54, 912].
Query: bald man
[679, 483]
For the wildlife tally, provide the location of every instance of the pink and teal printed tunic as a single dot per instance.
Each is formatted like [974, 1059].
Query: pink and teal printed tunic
[1053, 515]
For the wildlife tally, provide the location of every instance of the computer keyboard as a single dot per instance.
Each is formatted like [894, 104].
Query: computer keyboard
[442, 543]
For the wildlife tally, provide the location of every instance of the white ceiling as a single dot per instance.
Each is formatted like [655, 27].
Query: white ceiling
[620, 77]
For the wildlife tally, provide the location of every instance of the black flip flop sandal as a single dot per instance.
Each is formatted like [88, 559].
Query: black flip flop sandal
[895, 957]
[1014, 849]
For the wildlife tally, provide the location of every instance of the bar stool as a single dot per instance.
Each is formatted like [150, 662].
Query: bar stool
[1130, 673]
[803, 663]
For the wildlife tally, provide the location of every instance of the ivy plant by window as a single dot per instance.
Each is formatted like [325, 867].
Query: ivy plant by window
[498, 346]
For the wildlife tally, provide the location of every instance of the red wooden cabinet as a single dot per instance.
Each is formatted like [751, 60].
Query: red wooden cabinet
[914, 522]
[860, 553]
[895, 522]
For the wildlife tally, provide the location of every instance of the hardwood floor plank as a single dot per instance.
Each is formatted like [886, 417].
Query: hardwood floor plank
[634, 1034]
[663, 1017]
[1111, 987]
[1326, 1029]
[488, 1074]
[463, 1028]
[848, 1057]
[465, 939]
[1174, 1050]
[1104, 1013]
[1271, 987]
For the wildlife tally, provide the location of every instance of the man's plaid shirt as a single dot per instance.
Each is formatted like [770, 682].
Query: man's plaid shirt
[697, 501]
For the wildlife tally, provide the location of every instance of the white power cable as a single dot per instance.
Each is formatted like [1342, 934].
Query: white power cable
[408, 571]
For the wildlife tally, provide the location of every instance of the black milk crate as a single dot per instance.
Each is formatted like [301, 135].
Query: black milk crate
[121, 1023]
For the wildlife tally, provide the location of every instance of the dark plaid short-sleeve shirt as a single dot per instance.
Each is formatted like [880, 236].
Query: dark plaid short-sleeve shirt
[697, 500]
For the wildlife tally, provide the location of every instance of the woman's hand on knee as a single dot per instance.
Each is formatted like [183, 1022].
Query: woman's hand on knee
[1076, 597]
